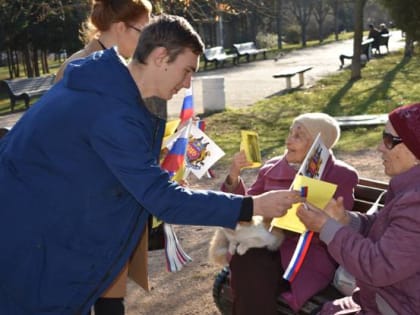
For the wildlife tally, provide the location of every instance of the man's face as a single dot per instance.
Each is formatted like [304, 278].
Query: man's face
[177, 74]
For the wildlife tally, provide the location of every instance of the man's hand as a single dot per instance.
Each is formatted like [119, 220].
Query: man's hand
[275, 203]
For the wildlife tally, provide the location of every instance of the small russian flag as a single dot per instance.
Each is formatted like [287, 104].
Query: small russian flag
[187, 110]
[174, 160]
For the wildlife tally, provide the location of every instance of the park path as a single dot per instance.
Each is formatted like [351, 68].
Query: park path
[250, 82]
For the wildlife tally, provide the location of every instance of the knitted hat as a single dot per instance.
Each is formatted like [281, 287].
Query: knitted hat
[323, 123]
[406, 122]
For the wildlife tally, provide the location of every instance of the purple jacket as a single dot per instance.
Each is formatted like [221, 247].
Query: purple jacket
[385, 256]
[318, 268]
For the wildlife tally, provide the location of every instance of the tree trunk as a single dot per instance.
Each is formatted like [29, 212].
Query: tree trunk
[10, 63]
[278, 8]
[15, 63]
[44, 61]
[335, 12]
[320, 31]
[27, 62]
[35, 62]
[356, 72]
[409, 46]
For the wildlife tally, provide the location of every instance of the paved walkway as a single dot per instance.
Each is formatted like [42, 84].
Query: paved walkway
[250, 82]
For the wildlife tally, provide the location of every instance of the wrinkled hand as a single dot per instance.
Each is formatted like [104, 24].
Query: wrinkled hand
[275, 203]
[313, 218]
[239, 161]
[335, 209]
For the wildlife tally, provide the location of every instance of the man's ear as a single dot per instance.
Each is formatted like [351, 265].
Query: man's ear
[160, 56]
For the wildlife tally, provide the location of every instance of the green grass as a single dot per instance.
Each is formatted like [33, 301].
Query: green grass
[20, 105]
[387, 83]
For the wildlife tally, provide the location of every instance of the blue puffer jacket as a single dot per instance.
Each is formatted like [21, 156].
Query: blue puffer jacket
[79, 176]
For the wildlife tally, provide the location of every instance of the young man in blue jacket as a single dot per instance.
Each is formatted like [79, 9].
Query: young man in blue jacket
[80, 175]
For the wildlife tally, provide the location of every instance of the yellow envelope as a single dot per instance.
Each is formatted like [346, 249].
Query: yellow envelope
[250, 144]
[319, 193]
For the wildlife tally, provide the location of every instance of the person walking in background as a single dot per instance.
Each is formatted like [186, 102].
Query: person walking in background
[256, 276]
[380, 249]
[83, 175]
[112, 23]
[115, 23]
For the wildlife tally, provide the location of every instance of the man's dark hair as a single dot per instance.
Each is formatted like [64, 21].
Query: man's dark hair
[172, 32]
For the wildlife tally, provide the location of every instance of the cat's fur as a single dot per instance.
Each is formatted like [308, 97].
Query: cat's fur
[246, 235]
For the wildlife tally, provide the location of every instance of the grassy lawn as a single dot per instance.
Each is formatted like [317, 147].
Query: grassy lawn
[387, 83]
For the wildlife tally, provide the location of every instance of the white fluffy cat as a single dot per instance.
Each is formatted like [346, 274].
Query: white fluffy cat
[246, 235]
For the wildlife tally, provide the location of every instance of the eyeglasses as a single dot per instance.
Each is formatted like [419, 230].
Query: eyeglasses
[135, 28]
[390, 141]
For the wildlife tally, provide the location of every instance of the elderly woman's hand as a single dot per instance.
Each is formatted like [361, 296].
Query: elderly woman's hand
[335, 209]
[239, 161]
[313, 218]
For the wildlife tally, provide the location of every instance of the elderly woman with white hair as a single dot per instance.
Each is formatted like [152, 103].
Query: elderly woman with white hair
[381, 250]
[256, 276]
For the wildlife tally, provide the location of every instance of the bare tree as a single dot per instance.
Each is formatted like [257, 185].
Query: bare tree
[278, 4]
[356, 66]
[302, 10]
[321, 10]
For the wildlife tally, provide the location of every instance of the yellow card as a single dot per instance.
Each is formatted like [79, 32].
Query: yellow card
[319, 193]
[249, 143]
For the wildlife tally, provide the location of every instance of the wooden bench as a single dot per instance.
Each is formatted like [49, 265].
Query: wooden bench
[366, 53]
[248, 49]
[217, 55]
[366, 193]
[290, 72]
[3, 131]
[25, 89]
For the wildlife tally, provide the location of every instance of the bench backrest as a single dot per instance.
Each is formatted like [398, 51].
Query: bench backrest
[367, 192]
[383, 40]
[19, 86]
[245, 46]
[212, 52]
[3, 131]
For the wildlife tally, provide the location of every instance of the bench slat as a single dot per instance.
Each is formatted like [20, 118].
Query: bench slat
[248, 49]
[290, 72]
[24, 89]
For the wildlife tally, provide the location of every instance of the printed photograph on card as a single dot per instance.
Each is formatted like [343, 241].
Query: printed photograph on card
[315, 160]
[202, 152]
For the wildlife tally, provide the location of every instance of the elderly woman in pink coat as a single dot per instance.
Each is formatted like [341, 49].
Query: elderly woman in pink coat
[256, 276]
[381, 250]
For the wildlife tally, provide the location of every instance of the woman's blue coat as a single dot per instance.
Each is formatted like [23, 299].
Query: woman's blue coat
[79, 177]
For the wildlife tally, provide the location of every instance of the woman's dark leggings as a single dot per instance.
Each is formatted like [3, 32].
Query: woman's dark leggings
[109, 306]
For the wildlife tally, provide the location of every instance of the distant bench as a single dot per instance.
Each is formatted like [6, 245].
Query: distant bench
[217, 54]
[365, 56]
[290, 72]
[249, 49]
[25, 89]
